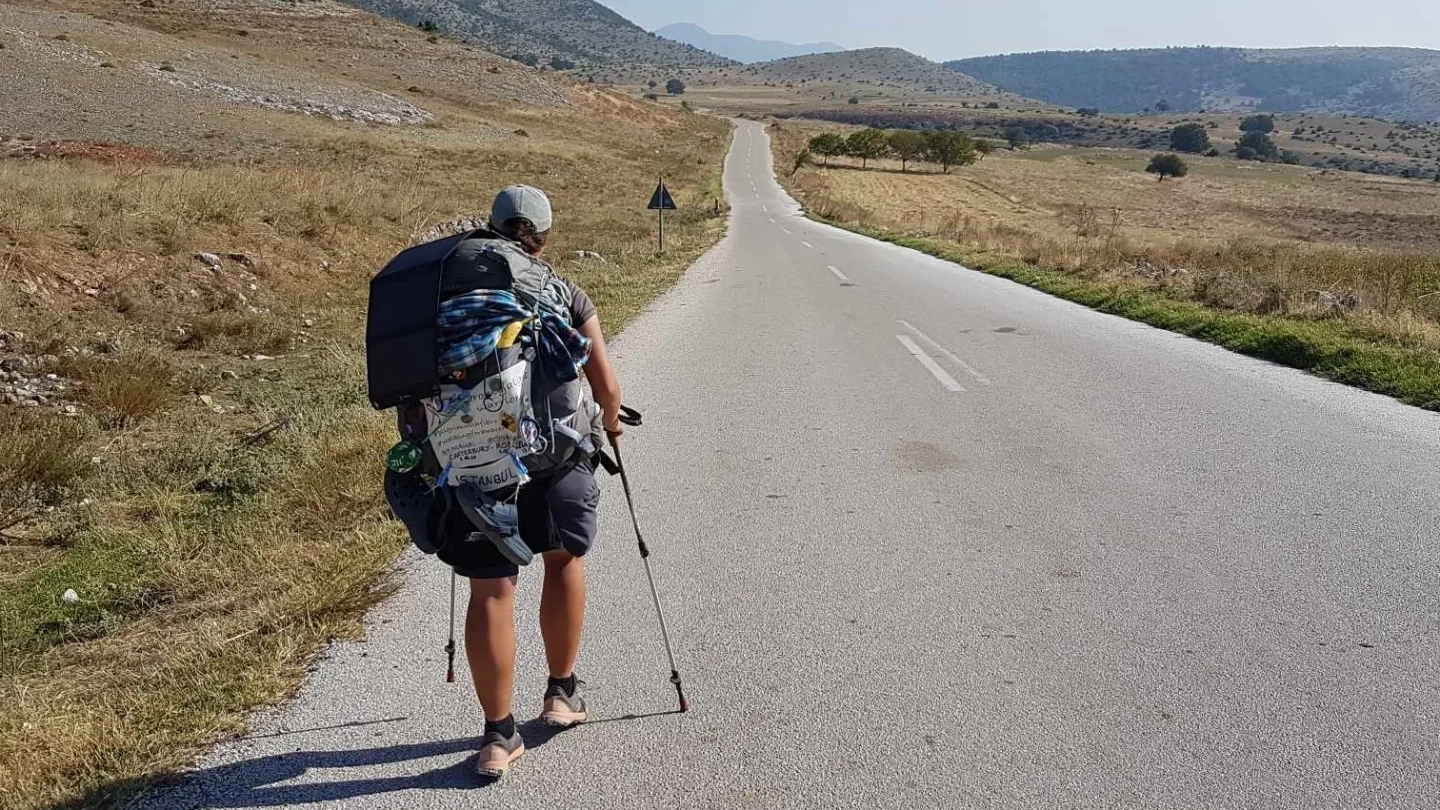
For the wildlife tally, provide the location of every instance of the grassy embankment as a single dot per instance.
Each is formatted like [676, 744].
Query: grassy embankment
[1338, 275]
[210, 504]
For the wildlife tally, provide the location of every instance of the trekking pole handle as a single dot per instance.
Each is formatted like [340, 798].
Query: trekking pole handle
[629, 416]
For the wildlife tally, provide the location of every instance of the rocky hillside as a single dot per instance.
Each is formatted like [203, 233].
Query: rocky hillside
[582, 32]
[1395, 83]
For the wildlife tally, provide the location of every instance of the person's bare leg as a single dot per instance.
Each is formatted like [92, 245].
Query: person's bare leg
[490, 643]
[562, 611]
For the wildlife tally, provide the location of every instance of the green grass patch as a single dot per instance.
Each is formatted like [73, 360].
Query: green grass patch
[1333, 348]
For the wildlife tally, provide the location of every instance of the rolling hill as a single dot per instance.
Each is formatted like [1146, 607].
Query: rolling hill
[580, 31]
[870, 74]
[742, 48]
[1395, 83]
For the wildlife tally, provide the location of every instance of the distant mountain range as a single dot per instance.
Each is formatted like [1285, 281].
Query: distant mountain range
[1395, 83]
[582, 32]
[741, 48]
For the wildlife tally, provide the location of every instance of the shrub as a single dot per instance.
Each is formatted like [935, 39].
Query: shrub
[675, 87]
[1192, 138]
[1259, 144]
[1167, 166]
[124, 392]
[39, 457]
[1264, 124]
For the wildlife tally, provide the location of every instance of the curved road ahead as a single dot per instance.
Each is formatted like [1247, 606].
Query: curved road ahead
[931, 539]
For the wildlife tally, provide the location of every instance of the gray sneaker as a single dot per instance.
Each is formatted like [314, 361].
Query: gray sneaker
[564, 710]
[498, 753]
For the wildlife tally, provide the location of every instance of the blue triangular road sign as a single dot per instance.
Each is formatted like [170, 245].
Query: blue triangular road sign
[662, 199]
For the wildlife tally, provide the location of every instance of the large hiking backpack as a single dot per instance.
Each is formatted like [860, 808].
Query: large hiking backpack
[469, 339]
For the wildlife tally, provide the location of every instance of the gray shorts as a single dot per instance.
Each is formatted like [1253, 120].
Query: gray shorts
[555, 514]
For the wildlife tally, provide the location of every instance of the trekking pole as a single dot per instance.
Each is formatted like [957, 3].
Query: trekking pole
[450, 647]
[631, 417]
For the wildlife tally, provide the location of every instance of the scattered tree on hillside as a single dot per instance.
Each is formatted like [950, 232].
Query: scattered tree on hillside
[428, 26]
[908, 145]
[1192, 138]
[950, 148]
[1016, 137]
[828, 145]
[1263, 124]
[652, 84]
[529, 59]
[1167, 166]
[868, 145]
[561, 63]
[994, 105]
[1088, 112]
[1162, 105]
[1260, 146]
[800, 160]
[983, 147]
[675, 87]
[853, 100]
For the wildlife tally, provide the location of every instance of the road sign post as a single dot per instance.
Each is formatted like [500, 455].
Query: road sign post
[660, 202]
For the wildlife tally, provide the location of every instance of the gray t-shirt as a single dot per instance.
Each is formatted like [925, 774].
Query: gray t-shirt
[582, 309]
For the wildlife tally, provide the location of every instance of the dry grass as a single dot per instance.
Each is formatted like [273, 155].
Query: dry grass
[215, 543]
[125, 391]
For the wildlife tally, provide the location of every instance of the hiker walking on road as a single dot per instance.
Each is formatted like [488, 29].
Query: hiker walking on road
[500, 467]
[557, 520]
[557, 517]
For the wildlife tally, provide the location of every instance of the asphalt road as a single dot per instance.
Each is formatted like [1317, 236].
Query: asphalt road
[932, 539]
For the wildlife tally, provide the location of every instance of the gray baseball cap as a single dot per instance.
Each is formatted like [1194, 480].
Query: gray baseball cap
[521, 201]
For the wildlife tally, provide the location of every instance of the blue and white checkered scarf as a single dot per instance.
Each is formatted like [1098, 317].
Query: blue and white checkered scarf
[471, 324]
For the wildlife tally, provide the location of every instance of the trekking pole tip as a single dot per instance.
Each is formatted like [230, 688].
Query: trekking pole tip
[679, 691]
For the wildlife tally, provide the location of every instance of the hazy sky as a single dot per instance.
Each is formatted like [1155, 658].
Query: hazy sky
[945, 29]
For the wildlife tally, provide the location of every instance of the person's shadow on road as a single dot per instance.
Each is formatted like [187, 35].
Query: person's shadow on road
[257, 782]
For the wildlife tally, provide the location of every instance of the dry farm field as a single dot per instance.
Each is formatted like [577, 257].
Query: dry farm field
[185, 246]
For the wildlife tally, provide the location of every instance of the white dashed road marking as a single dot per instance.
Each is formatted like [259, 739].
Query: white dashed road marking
[980, 378]
[839, 274]
[930, 365]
